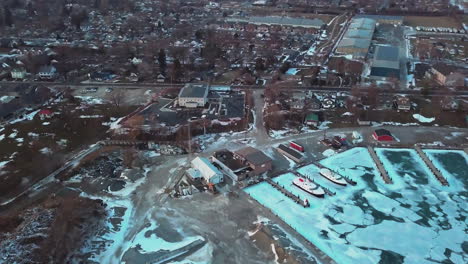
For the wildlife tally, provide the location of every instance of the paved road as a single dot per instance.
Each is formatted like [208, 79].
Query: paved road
[259, 131]
[235, 87]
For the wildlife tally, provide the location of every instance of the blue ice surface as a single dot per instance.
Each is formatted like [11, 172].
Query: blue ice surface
[349, 213]
[452, 174]
[412, 166]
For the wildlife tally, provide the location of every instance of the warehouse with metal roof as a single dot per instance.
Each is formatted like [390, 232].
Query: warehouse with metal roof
[386, 63]
[357, 39]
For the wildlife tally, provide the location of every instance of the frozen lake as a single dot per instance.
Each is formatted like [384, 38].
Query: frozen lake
[414, 220]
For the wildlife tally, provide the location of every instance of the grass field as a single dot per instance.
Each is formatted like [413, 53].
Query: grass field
[425, 21]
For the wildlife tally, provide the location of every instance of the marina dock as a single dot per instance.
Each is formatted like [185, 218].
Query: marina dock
[431, 166]
[287, 193]
[378, 163]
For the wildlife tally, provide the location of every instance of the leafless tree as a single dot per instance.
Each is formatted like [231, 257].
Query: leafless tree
[117, 98]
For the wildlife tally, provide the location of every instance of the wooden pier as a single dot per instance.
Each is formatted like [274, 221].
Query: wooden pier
[287, 193]
[348, 180]
[431, 166]
[382, 171]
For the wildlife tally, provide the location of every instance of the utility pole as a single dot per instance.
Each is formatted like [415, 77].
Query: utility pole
[189, 139]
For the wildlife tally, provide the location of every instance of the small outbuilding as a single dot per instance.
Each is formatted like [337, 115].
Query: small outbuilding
[382, 135]
[312, 119]
[45, 113]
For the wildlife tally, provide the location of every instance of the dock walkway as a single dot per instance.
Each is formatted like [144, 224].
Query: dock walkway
[287, 193]
[431, 166]
[383, 172]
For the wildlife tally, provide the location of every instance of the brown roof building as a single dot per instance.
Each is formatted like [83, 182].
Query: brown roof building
[256, 159]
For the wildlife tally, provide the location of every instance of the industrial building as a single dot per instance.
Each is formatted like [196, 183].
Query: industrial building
[243, 163]
[193, 95]
[202, 166]
[357, 39]
[255, 159]
[386, 63]
[290, 153]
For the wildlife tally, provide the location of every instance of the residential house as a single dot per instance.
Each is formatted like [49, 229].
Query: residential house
[18, 73]
[314, 104]
[47, 72]
[161, 78]
[363, 120]
[402, 103]
[446, 75]
[45, 113]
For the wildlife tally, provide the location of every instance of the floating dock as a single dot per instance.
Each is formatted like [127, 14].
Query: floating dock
[287, 193]
[382, 171]
[431, 166]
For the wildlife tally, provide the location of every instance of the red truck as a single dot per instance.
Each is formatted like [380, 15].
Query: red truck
[296, 146]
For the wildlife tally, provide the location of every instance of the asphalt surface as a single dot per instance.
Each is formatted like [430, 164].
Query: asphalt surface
[432, 92]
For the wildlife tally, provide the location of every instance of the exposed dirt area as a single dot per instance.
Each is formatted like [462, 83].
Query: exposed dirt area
[264, 240]
[49, 232]
[425, 21]
[35, 148]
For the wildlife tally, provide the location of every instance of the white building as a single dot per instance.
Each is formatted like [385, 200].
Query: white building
[47, 72]
[208, 171]
[18, 73]
[193, 95]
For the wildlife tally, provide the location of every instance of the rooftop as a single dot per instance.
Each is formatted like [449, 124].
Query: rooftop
[359, 33]
[388, 53]
[290, 151]
[194, 90]
[253, 155]
[355, 42]
[363, 23]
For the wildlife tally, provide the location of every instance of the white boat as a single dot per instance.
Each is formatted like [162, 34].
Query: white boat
[309, 187]
[331, 176]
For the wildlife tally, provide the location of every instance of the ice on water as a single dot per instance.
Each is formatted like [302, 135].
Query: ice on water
[415, 218]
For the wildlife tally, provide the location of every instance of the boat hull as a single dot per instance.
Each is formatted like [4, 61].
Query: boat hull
[319, 195]
[330, 178]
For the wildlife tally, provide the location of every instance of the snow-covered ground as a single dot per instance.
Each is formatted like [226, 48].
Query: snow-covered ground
[358, 224]
[90, 100]
[423, 119]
